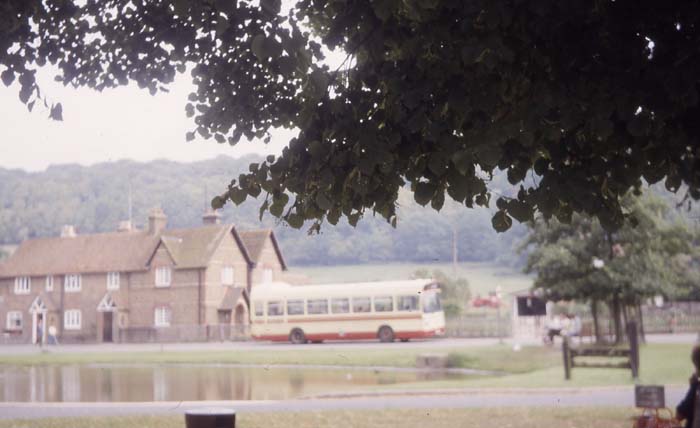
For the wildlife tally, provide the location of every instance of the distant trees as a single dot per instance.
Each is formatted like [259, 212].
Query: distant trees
[582, 261]
[95, 199]
[455, 291]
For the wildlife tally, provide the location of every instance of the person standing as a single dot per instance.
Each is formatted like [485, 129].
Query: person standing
[688, 407]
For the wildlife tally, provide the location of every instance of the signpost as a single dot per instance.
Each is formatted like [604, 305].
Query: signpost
[649, 396]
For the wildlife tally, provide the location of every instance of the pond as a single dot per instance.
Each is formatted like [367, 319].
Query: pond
[177, 382]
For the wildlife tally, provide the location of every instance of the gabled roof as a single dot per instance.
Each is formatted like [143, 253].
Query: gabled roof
[231, 297]
[194, 247]
[117, 252]
[254, 242]
[102, 252]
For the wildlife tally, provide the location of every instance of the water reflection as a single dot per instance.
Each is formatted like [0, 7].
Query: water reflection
[186, 382]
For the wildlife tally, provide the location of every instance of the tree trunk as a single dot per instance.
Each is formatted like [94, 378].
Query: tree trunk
[596, 327]
[617, 322]
[625, 320]
[640, 322]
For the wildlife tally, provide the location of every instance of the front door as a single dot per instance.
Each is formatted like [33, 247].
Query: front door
[107, 326]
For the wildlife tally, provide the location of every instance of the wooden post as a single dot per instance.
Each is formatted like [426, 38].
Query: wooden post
[567, 358]
[633, 336]
[210, 418]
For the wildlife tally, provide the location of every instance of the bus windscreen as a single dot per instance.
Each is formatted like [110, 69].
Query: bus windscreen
[431, 303]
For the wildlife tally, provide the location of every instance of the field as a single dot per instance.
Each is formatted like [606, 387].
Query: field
[409, 418]
[482, 277]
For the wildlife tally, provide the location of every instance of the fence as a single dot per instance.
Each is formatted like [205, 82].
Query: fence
[184, 333]
[478, 325]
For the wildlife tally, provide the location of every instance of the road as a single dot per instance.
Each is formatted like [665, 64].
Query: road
[615, 397]
[431, 344]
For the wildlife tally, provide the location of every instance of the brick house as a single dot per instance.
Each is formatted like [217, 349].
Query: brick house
[130, 285]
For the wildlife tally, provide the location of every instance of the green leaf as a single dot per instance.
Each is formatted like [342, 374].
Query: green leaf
[218, 202]
[323, 202]
[237, 195]
[258, 47]
[501, 222]
[295, 220]
[8, 76]
[227, 6]
[189, 136]
[56, 112]
[271, 6]
[424, 193]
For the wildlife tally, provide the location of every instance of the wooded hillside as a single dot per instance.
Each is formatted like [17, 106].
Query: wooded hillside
[95, 199]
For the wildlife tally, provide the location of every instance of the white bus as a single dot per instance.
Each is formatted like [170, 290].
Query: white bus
[387, 311]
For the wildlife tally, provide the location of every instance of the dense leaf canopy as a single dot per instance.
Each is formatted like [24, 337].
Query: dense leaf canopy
[592, 97]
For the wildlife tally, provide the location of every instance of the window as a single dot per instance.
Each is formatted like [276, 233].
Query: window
[162, 316]
[14, 320]
[295, 307]
[431, 303]
[408, 303]
[275, 309]
[259, 309]
[23, 285]
[71, 319]
[227, 275]
[72, 283]
[267, 276]
[164, 276]
[317, 306]
[340, 306]
[383, 304]
[49, 283]
[113, 281]
[361, 304]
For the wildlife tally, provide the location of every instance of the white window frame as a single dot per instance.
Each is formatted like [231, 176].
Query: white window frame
[227, 275]
[23, 285]
[72, 283]
[72, 319]
[164, 276]
[162, 316]
[11, 316]
[49, 282]
[267, 275]
[113, 280]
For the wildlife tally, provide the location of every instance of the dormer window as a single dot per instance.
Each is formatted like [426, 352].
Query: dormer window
[23, 285]
[49, 283]
[267, 276]
[113, 281]
[164, 276]
[72, 283]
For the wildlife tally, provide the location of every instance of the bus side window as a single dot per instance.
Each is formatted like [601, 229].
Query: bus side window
[408, 303]
[295, 307]
[275, 308]
[317, 306]
[259, 309]
[361, 304]
[340, 306]
[383, 304]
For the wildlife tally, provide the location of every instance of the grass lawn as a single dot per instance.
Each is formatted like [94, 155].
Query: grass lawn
[603, 417]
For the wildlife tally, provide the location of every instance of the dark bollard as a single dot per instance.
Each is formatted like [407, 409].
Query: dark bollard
[210, 418]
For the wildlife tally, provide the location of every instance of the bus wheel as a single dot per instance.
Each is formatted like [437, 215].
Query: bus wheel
[385, 334]
[297, 336]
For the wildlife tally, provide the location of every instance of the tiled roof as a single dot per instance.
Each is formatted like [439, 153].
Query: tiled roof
[116, 252]
[103, 252]
[254, 242]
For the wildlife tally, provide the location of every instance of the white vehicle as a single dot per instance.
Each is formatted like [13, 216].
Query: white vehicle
[385, 310]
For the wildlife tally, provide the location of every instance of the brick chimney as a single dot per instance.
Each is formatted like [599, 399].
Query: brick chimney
[157, 220]
[211, 217]
[68, 231]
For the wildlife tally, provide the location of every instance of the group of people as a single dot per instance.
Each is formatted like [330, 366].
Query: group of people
[562, 325]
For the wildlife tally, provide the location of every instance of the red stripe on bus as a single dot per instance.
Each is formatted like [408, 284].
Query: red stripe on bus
[292, 318]
[353, 336]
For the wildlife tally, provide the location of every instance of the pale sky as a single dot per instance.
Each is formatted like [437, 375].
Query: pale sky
[123, 123]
